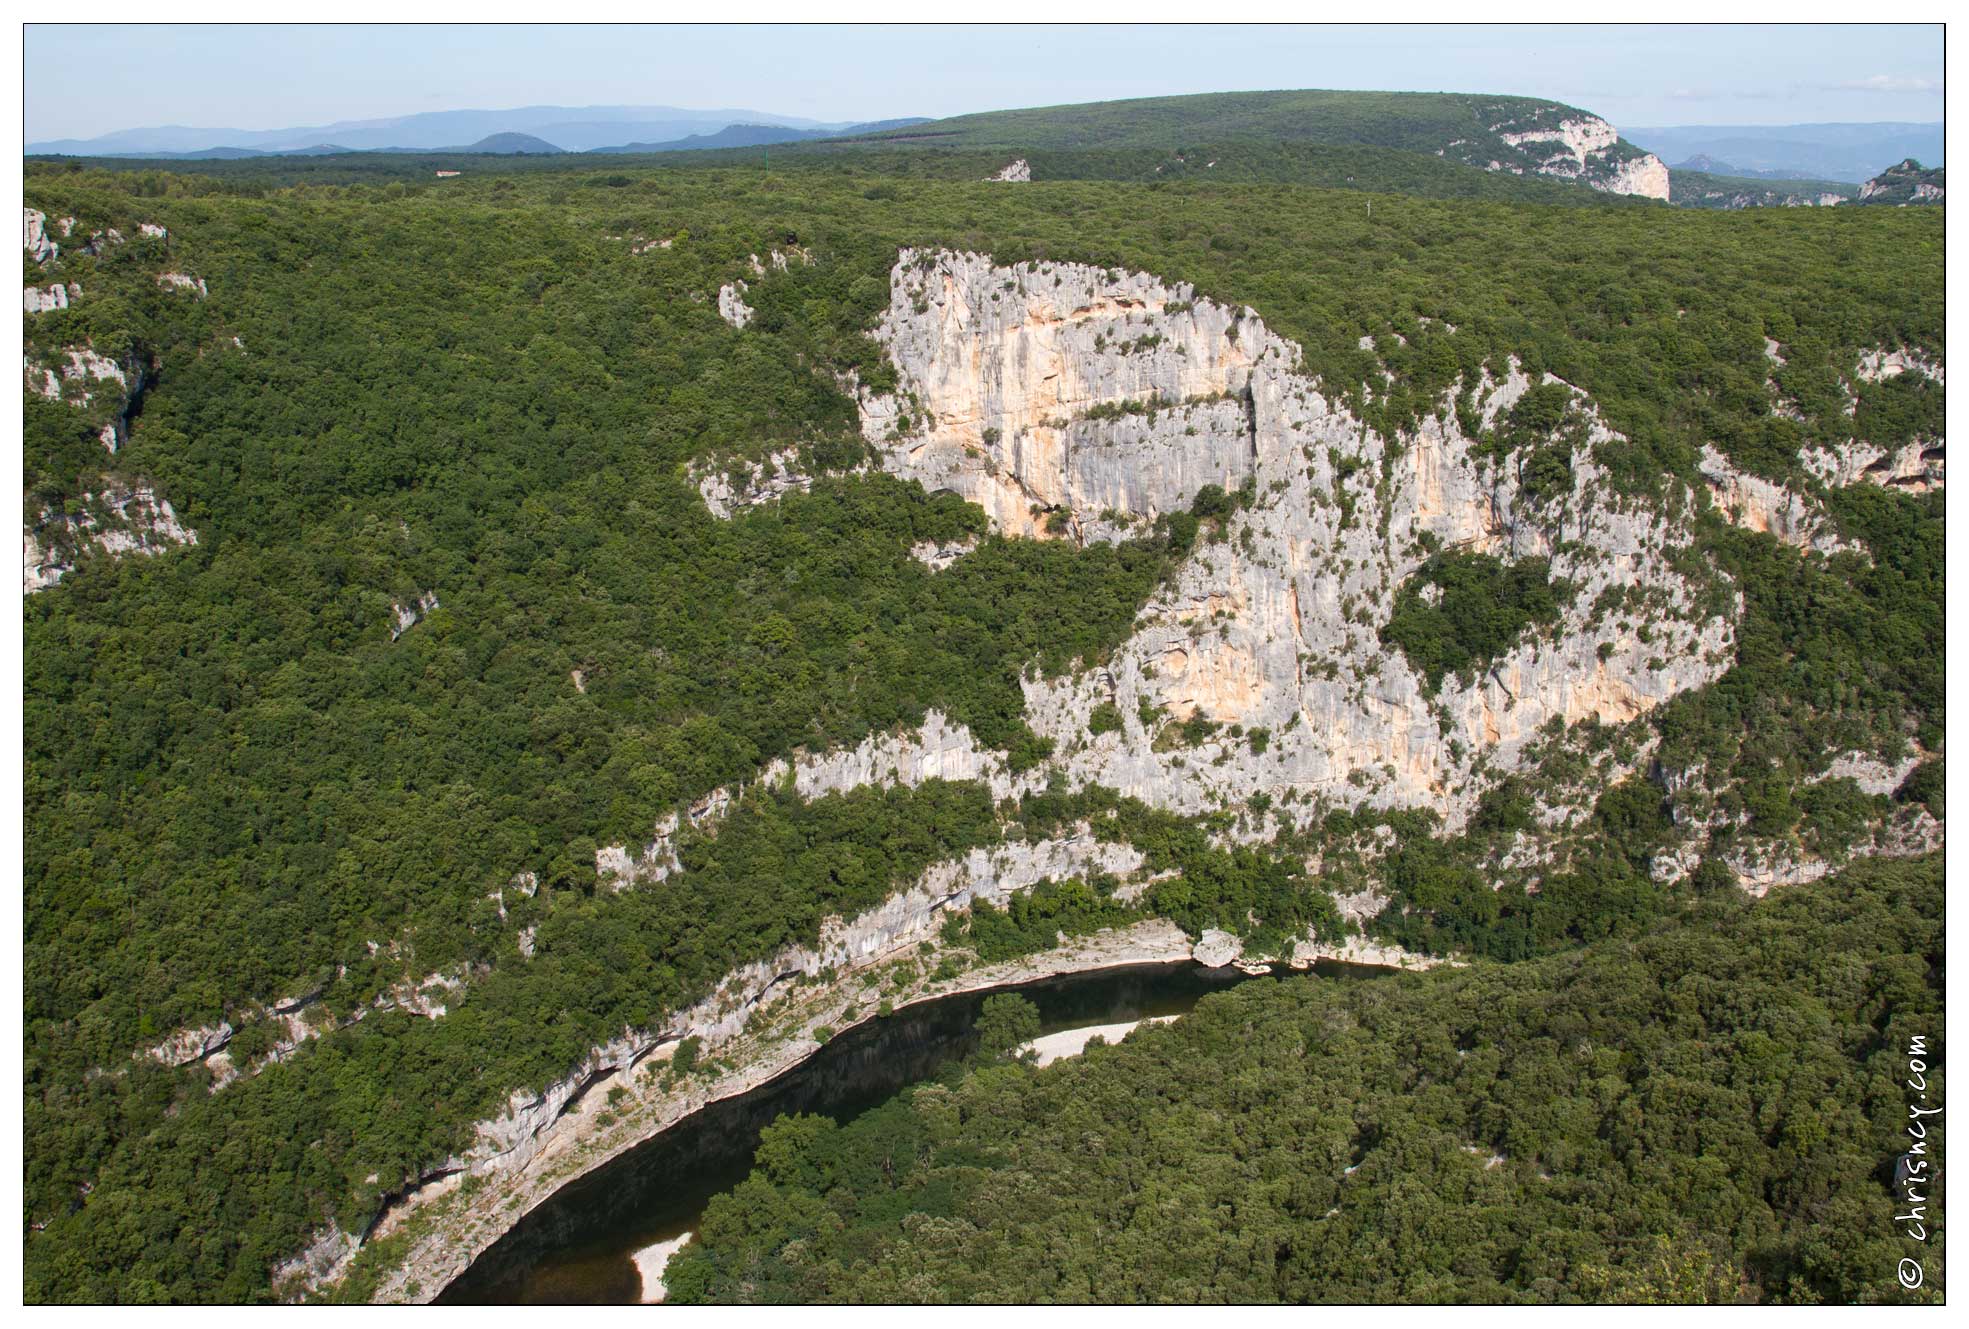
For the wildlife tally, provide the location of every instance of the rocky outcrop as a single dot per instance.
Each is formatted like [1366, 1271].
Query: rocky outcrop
[178, 281]
[84, 367]
[40, 245]
[732, 486]
[1063, 400]
[938, 749]
[1019, 173]
[1215, 948]
[1915, 467]
[1075, 402]
[1758, 504]
[912, 916]
[189, 1045]
[1577, 147]
[116, 522]
[731, 304]
[1881, 363]
[404, 617]
[35, 300]
[1874, 775]
[1904, 184]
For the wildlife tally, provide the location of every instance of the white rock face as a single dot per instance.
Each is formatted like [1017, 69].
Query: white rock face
[35, 300]
[1215, 949]
[320, 1264]
[1757, 504]
[937, 750]
[1872, 774]
[1583, 148]
[1031, 381]
[1027, 374]
[190, 1045]
[732, 487]
[116, 522]
[82, 365]
[178, 281]
[152, 229]
[1019, 173]
[731, 304]
[937, 557]
[1881, 363]
[1645, 177]
[408, 616]
[1916, 467]
[35, 238]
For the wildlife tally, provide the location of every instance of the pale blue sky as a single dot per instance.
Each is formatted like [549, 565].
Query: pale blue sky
[84, 81]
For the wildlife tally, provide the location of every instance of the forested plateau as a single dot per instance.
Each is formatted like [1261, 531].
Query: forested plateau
[494, 632]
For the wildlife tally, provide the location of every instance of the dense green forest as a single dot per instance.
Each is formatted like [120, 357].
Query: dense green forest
[1711, 1113]
[1324, 165]
[239, 785]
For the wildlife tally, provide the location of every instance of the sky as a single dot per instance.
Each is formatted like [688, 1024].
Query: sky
[87, 80]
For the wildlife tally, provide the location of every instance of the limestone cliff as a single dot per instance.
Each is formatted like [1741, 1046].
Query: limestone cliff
[1075, 401]
[1560, 144]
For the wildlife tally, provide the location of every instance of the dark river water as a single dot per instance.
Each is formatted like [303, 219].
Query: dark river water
[576, 1248]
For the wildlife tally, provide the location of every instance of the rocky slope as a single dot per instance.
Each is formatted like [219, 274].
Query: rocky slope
[1085, 404]
[1070, 401]
[117, 514]
[1575, 147]
[1905, 184]
[1518, 135]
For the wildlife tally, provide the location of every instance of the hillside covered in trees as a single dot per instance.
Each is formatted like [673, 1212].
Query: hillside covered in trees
[1709, 1113]
[326, 788]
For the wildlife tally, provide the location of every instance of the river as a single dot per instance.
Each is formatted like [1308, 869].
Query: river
[579, 1246]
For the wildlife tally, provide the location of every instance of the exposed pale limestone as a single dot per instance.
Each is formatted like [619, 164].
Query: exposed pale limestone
[731, 304]
[937, 557]
[1881, 363]
[730, 487]
[1645, 176]
[35, 238]
[35, 300]
[408, 616]
[152, 229]
[1757, 504]
[1585, 148]
[321, 1263]
[189, 1045]
[905, 919]
[1761, 865]
[1020, 173]
[1276, 627]
[82, 365]
[1058, 390]
[1216, 948]
[1916, 467]
[117, 522]
[178, 281]
[1872, 774]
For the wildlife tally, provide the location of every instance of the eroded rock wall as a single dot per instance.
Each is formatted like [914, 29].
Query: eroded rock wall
[1029, 389]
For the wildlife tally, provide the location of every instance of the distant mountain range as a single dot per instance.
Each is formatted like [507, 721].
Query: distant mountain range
[755, 136]
[568, 128]
[1851, 153]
